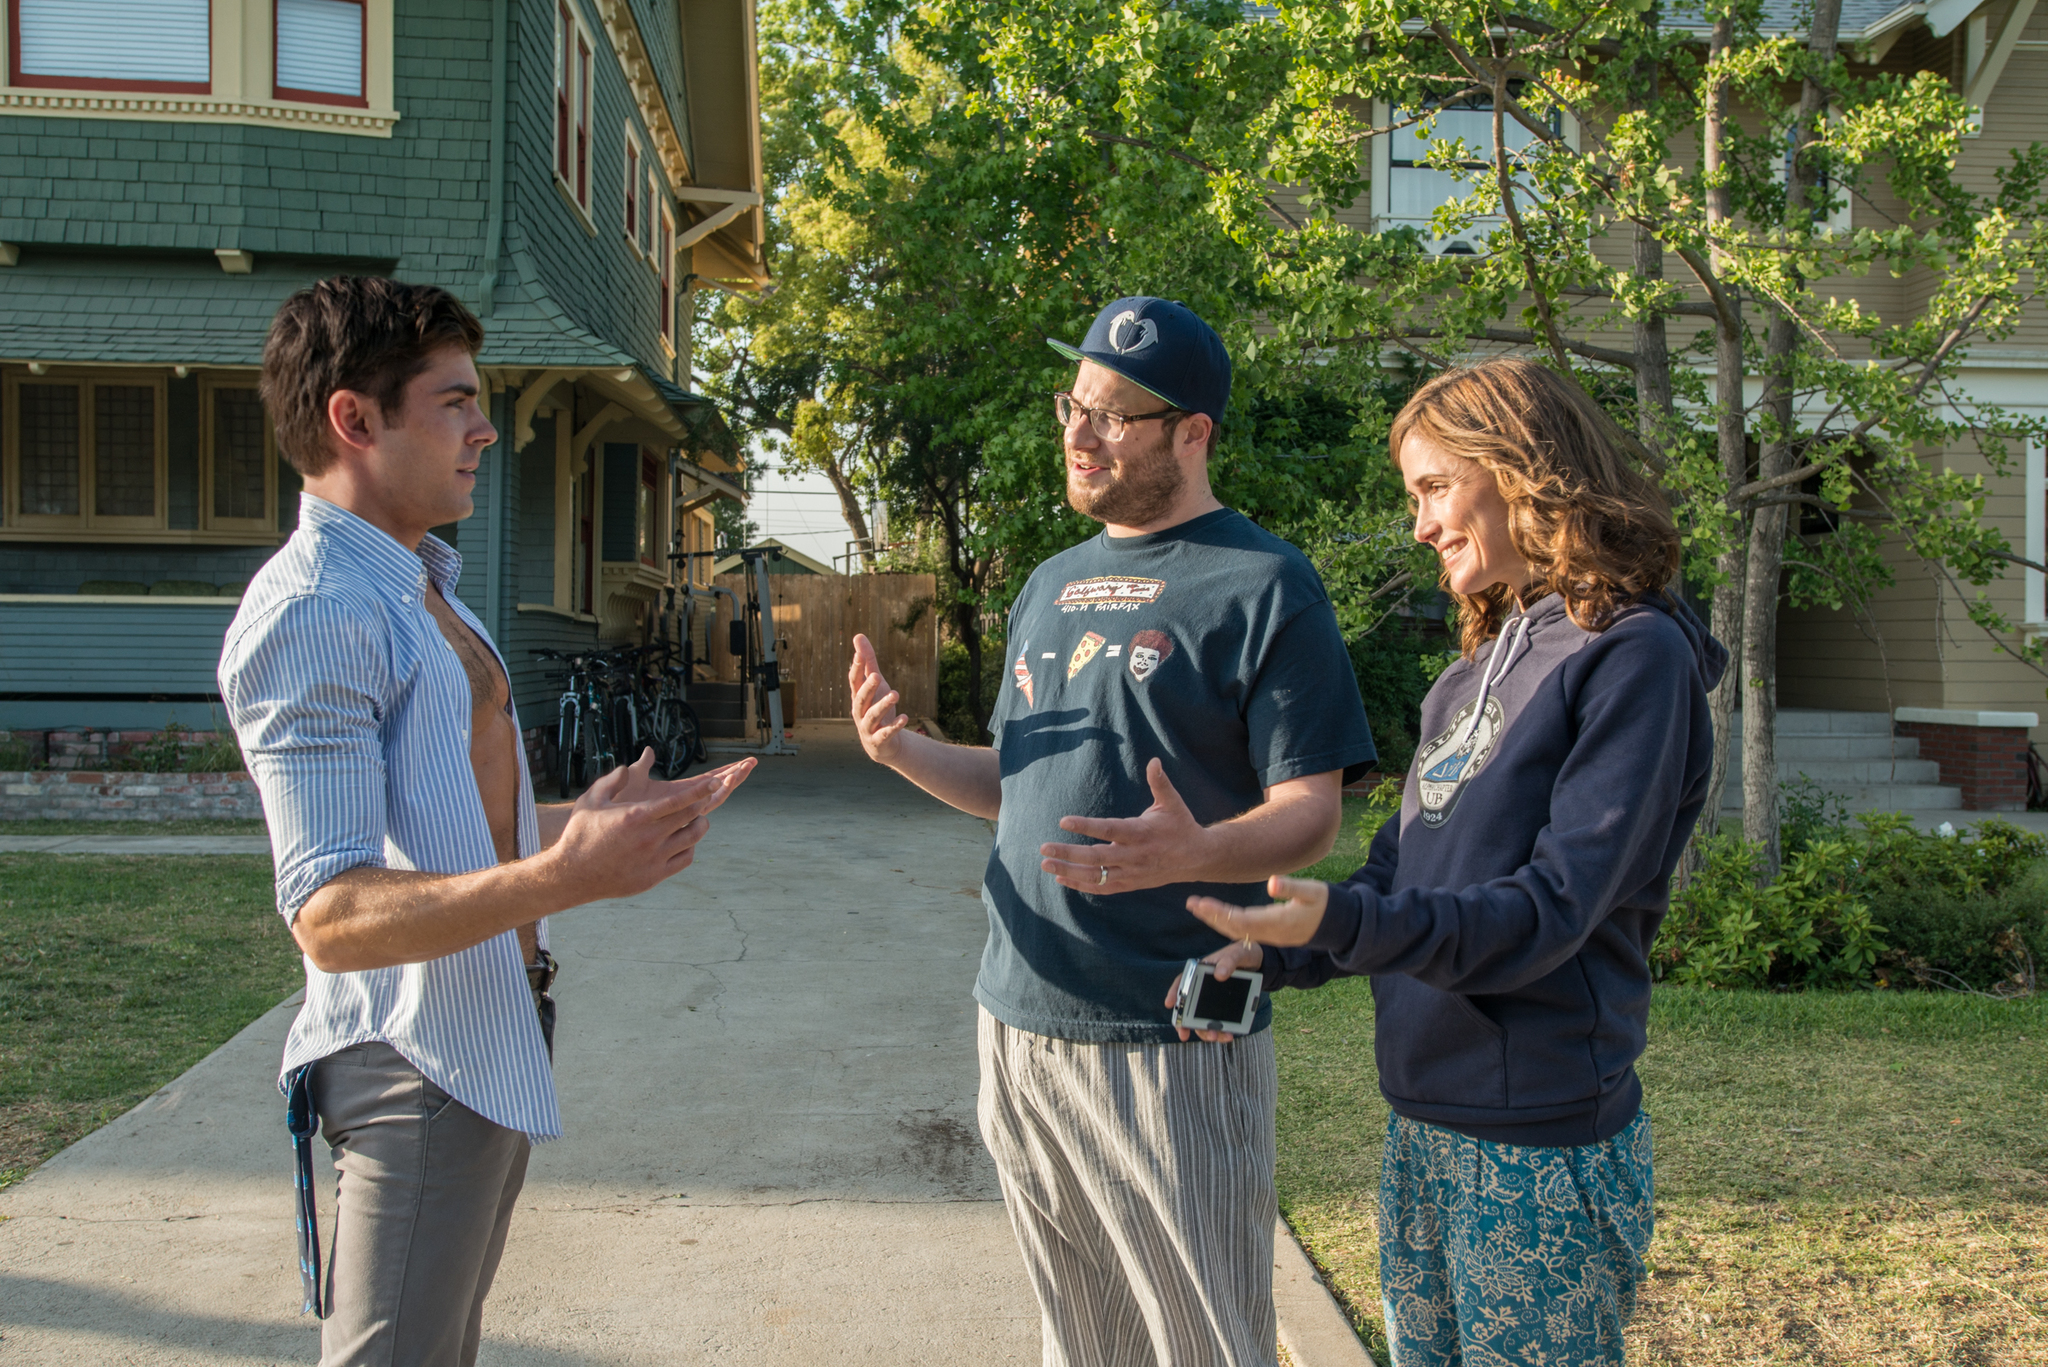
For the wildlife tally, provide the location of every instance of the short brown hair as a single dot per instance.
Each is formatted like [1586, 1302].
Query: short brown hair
[1593, 526]
[362, 333]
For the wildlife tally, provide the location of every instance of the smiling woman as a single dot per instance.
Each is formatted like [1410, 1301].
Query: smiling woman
[1506, 916]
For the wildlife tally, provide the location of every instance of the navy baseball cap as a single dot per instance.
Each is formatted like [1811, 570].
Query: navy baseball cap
[1161, 347]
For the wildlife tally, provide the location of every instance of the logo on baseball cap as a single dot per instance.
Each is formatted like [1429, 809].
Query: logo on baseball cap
[1160, 346]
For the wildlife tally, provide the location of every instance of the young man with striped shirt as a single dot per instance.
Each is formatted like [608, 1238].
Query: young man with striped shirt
[413, 866]
[1184, 666]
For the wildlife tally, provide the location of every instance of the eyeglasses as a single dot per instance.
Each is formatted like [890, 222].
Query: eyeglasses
[1105, 424]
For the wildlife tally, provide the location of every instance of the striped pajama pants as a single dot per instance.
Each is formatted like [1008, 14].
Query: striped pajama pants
[1139, 1181]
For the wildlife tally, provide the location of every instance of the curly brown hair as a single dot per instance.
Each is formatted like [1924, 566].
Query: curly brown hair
[1592, 525]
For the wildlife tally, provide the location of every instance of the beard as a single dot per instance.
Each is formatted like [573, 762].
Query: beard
[1144, 488]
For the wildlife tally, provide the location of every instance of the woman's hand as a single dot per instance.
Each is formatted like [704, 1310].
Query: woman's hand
[1289, 922]
[1226, 961]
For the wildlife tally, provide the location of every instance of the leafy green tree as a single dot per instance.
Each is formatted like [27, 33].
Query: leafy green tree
[1716, 149]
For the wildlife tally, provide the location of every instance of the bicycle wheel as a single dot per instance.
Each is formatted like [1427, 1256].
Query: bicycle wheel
[695, 729]
[673, 732]
[568, 751]
[626, 732]
[597, 743]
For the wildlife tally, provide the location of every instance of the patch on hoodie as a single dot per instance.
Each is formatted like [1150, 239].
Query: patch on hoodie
[1441, 772]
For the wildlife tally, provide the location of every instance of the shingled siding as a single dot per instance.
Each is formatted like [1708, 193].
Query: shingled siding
[417, 198]
[595, 276]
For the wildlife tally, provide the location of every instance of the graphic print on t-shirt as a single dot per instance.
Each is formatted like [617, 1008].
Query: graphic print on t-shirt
[1149, 650]
[1110, 593]
[1022, 672]
[1442, 772]
[1084, 652]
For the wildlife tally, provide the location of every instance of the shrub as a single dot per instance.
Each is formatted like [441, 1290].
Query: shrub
[1876, 904]
[16, 755]
[175, 750]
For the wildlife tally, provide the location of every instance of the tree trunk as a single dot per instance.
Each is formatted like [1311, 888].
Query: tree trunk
[1652, 349]
[1768, 522]
[1732, 446]
[856, 516]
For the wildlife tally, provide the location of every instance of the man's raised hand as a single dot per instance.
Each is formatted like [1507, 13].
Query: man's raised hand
[1289, 921]
[630, 831]
[875, 714]
[1164, 844]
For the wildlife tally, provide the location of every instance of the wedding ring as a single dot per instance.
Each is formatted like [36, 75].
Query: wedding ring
[1101, 875]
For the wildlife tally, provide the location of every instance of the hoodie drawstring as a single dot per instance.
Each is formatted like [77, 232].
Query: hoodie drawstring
[1498, 661]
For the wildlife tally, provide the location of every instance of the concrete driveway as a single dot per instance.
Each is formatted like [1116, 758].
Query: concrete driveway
[767, 1074]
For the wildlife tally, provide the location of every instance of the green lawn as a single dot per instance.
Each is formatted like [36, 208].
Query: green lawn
[1851, 1178]
[116, 975]
[193, 826]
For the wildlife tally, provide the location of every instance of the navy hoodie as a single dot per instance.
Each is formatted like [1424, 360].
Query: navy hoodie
[1506, 917]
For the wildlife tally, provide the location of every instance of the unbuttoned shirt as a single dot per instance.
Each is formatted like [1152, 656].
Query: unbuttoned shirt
[354, 718]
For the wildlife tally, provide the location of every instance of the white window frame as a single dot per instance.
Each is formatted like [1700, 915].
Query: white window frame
[1382, 188]
[209, 451]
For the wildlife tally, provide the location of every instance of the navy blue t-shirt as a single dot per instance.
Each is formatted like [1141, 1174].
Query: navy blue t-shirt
[1210, 646]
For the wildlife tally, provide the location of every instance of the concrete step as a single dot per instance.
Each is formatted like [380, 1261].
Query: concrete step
[1802, 721]
[1854, 755]
[1850, 772]
[1837, 747]
[1884, 797]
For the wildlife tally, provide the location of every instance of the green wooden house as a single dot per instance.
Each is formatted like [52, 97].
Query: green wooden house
[170, 170]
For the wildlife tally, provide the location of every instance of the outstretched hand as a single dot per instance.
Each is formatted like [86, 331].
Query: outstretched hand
[1164, 844]
[630, 830]
[1287, 922]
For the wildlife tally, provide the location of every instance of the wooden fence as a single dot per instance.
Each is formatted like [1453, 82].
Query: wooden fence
[818, 614]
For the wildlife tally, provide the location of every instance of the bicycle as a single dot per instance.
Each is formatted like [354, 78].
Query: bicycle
[673, 728]
[583, 743]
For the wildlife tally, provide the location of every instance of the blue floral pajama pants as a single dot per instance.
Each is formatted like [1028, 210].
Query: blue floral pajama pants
[1511, 1255]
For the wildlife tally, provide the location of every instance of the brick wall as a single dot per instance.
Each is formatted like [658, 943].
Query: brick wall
[83, 795]
[1987, 762]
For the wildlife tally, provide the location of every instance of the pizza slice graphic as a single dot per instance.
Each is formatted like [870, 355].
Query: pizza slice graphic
[1021, 671]
[1084, 652]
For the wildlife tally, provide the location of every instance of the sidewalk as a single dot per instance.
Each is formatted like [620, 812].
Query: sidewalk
[767, 1073]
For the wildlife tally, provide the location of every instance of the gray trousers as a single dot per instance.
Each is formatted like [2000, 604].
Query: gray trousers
[426, 1195]
[1139, 1181]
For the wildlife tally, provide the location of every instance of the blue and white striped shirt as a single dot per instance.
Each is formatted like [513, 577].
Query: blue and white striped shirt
[354, 718]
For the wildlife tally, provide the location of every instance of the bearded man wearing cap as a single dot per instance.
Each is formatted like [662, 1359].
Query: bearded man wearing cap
[1178, 719]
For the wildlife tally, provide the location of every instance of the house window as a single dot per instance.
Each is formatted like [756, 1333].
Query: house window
[572, 105]
[565, 86]
[632, 196]
[1407, 190]
[582, 120]
[646, 502]
[320, 51]
[86, 454]
[240, 461]
[161, 45]
[665, 266]
[646, 239]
